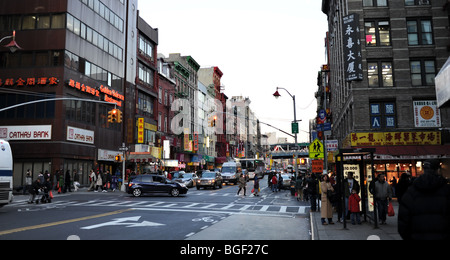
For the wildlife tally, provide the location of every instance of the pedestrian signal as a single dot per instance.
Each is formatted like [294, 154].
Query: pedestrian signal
[118, 158]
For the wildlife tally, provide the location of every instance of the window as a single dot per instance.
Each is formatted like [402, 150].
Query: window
[145, 74]
[417, 2]
[423, 72]
[375, 3]
[377, 33]
[43, 22]
[29, 22]
[380, 74]
[420, 32]
[58, 21]
[383, 115]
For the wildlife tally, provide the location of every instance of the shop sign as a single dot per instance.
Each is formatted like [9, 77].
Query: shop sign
[352, 48]
[427, 114]
[140, 130]
[26, 132]
[110, 96]
[395, 138]
[107, 155]
[29, 82]
[80, 135]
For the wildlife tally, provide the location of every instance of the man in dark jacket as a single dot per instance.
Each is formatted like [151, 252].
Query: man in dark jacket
[424, 212]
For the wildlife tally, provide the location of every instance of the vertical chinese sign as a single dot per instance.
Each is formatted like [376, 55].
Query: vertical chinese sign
[352, 48]
[140, 130]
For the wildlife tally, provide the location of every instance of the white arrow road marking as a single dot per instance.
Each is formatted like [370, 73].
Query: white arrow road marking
[122, 222]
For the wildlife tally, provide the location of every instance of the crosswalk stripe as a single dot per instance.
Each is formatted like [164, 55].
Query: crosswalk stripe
[191, 205]
[185, 205]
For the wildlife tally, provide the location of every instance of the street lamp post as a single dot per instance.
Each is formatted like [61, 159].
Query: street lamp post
[277, 95]
[13, 46]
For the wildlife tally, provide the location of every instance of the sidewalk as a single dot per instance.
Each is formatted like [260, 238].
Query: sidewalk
[366, 231]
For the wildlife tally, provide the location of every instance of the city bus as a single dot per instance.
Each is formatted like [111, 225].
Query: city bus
[253, 167]
[6, 173]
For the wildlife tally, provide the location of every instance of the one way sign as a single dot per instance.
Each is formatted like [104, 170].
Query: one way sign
[316, 150]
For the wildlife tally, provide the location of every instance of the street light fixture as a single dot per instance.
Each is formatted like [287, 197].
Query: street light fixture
[13, 46]
[277, 95]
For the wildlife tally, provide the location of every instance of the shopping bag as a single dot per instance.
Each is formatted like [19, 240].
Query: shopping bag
[50, 193]
[391, 211]
[253, 191]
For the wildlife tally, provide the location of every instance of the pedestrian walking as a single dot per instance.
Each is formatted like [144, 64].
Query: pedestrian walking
[108, 180]
[34, 190]
[28, 182]
[299, 188]
[67, 182]
[256, 186]
[326, 211]
[383, 194]
[242, 184]
[280, 182]
[274, 183]
[99, 182]
[353, 207]
[424, 211]
[311, 183]
[349, 184]
[93, 180]
[403, 185]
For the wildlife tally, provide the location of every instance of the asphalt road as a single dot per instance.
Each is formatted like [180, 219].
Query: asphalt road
[200, 215]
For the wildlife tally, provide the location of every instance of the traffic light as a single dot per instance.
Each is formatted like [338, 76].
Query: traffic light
[113, 116]
[110, 116]
[119, 116]
[118, 158]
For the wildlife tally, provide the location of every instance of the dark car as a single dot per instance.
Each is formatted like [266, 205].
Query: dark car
[210, 179]
[151, 183]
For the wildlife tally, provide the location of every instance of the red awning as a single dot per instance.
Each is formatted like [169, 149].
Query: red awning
[413, 150]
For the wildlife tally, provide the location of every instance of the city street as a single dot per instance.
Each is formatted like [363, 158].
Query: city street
[200, 215]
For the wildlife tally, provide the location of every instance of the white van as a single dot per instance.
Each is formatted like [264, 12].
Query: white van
[6, 173]
[231, 171]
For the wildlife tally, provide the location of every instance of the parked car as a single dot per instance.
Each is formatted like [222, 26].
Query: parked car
[152, 183]
[188, 179]
[210, 179]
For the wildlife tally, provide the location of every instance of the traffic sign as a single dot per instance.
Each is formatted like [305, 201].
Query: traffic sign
[317, 166]
[316, 150]
[295, 128]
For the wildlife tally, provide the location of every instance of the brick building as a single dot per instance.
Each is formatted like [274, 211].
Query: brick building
[383, 57]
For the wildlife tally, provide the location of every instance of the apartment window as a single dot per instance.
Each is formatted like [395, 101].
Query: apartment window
[374, 2]
[417, 2]
[383, 115]
[378, 33]
[423, 72]
[145, 74]
[420, 32]
[380, 74]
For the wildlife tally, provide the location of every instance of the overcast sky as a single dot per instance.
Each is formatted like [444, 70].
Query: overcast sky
[258, 45]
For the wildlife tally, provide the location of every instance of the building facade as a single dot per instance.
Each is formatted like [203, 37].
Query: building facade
[69, 49]
[383, 57]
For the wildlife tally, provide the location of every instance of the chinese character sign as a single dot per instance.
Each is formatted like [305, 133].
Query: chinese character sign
[352, 48]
